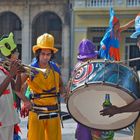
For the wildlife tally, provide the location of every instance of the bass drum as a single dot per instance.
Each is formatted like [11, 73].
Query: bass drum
[90, 82]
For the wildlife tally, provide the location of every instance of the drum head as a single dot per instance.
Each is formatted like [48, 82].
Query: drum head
[85, 104]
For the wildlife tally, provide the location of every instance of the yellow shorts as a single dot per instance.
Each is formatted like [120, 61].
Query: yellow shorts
[49, 129]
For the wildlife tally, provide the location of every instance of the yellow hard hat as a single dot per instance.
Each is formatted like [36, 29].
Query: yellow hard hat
[45, 41]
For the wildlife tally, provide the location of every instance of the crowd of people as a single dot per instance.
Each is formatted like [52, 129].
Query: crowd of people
[45, 86]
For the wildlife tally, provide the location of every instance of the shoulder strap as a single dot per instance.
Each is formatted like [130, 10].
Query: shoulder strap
[55, 67]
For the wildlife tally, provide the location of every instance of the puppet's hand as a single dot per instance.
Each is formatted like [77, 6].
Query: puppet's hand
[103, 47]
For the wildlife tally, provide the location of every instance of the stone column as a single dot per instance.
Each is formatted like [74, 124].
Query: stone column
[26, 35]
[79, 34]
[65, 52]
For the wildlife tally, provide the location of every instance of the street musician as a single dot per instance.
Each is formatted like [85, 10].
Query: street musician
[9, 84]
[44, 118]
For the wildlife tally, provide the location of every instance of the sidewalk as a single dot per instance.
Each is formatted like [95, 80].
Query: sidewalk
[68, 132]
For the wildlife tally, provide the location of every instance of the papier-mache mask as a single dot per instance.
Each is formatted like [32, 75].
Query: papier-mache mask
[7, 44]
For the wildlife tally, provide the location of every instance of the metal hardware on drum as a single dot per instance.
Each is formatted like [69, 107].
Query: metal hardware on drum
[118, 74]
[87, 76]
[104, 74]
[86, 85]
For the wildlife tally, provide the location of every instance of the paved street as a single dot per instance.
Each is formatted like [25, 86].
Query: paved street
[69, 130]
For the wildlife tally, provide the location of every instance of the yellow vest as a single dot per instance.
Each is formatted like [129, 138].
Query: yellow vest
[39, 84]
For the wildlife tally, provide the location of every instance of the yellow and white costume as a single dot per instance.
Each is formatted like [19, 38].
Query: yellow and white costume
[47, 129]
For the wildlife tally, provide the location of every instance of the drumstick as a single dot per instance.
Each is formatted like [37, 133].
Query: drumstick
[105, 61]
[111, 61]
[129, 60]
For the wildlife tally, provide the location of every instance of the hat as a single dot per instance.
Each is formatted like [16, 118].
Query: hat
[45, 41]
[115, 20]
[7, 44]
[137, 27]
[86, 50]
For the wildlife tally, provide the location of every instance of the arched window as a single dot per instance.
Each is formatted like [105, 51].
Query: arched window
[10, 22]
[48, 22]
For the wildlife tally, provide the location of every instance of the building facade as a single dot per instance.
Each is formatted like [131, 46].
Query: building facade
[90, 19]
[69, 21]
[28, 19]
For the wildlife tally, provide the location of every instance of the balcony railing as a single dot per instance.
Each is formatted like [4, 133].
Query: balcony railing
[132, 3]
[99, 3]
[106, 3]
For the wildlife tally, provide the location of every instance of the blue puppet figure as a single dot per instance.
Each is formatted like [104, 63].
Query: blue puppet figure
[111, 40]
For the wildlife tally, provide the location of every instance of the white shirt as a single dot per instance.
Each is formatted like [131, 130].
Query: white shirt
[8, 113]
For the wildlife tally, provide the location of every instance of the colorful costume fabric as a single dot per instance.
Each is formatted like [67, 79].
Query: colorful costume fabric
[49, 129]
[102, 135]
[111, 41]
[8, 114]
[112, 47]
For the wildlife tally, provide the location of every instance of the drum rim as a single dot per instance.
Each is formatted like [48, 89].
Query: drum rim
[67, 105]
[107, 84]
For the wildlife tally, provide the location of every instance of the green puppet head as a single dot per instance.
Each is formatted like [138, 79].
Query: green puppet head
[7, 44]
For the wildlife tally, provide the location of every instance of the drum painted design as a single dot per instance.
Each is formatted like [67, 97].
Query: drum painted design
[82, 74]
[90, 82]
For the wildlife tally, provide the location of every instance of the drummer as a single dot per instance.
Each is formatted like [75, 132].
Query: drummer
[87, 51]
[135, 105]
